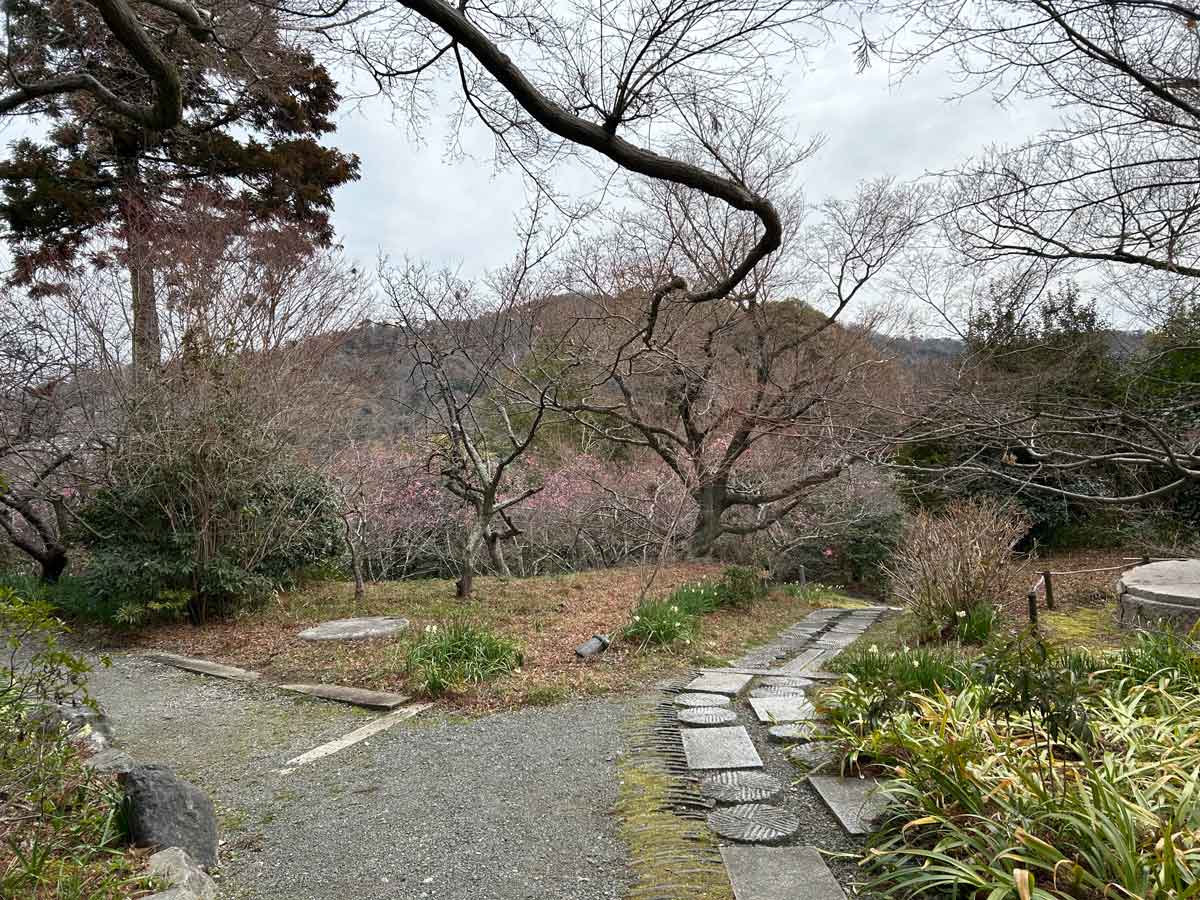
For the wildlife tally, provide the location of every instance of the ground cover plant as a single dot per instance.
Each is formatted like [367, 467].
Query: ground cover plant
[548, 617]
[1028, 770]
[457, 653]
[62, 831]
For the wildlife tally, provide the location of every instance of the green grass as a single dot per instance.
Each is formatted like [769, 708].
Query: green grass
[448, 657]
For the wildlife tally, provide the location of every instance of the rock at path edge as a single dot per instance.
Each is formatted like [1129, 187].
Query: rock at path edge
[166, 811]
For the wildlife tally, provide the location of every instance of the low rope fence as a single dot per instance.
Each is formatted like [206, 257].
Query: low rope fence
[1045, 580]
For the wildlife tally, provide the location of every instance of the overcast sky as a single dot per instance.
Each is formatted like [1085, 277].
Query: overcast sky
[412, 199]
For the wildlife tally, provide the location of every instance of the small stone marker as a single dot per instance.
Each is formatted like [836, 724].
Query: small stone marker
[857, 802]
[720, 748]
[701, 700]
[791, 732]
[596, 645]
[354, 696]
[783, 709]
[706, 716]
[776, 690]
[355, 629]
[741, 787]
[754, 823]
[729, 683]
[204, 667]
[780, 873]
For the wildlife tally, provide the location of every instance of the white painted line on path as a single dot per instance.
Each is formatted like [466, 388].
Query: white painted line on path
[383, 723]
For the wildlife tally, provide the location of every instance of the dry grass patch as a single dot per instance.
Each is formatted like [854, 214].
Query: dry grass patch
[549, 617]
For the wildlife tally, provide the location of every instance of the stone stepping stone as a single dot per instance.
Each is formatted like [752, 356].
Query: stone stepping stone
[857, 802]
[776, 690]
[355, 629]
[351, 695]
[788, 681]
[754, 823]
[729, 683]
[791, 732]
[701, 700]
[720, 748]
[812, 756]
[805, 661]
[706, 716]
[204, 667]
[779, 873]
[795, 708]
[741, 787]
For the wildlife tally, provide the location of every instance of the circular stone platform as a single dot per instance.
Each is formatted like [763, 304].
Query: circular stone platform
[355, 629]
[1161, 594]
[754, 822]
[706, 716]
[741, 787]
[701, 700]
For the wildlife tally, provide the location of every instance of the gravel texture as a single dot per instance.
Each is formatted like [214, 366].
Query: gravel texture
[508, 807]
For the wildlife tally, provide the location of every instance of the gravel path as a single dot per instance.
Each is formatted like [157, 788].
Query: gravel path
[507, 807]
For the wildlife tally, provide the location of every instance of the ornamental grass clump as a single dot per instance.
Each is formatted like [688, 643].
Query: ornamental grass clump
[958, 561]
[454, 655]
[661, 622]
[1039, 774]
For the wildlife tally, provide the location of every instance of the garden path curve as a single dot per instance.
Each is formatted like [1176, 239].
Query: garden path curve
[507, 807]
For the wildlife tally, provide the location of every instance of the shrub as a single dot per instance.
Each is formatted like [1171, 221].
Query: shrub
[956, 561]
[740, 586]
[452, 655]
[661, 622]
[168, 540]
[61, 825]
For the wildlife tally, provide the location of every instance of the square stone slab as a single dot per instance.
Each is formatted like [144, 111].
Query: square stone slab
[729, 683]
[783, 709]
[855, 801]
[809, 659]
[720, 748]
[779, 873]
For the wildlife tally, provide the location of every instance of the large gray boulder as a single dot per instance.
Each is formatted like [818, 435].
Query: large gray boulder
[166, 811]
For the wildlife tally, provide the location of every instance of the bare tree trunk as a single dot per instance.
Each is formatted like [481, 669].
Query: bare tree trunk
[470, 558]
[146, 338]
[46, 550]
[496, 554]
[356, 565]
[711, 504]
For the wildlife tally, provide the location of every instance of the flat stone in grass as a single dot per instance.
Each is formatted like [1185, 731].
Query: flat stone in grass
[729, 683]
[791, 732]
[701, 700]
[783, 709]
[754, 823]
[741, 787]
[353, 696]
[779, 873]
[355, 629]
[706, 716]
[720, 748]
[857, 802]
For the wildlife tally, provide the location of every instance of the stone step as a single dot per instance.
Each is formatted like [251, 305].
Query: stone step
[351, 695]
[731, 684]
[779, 873]
[783, 709]
[857, 802]
[204, 667]
[720, 748]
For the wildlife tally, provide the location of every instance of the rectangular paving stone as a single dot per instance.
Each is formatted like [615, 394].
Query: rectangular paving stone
[731, 684]
[354, 696]
[204, 667]
[816, 675]
[720, 748]
[783, 709]
[779, 873]
[808, 660]
[856, 802]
